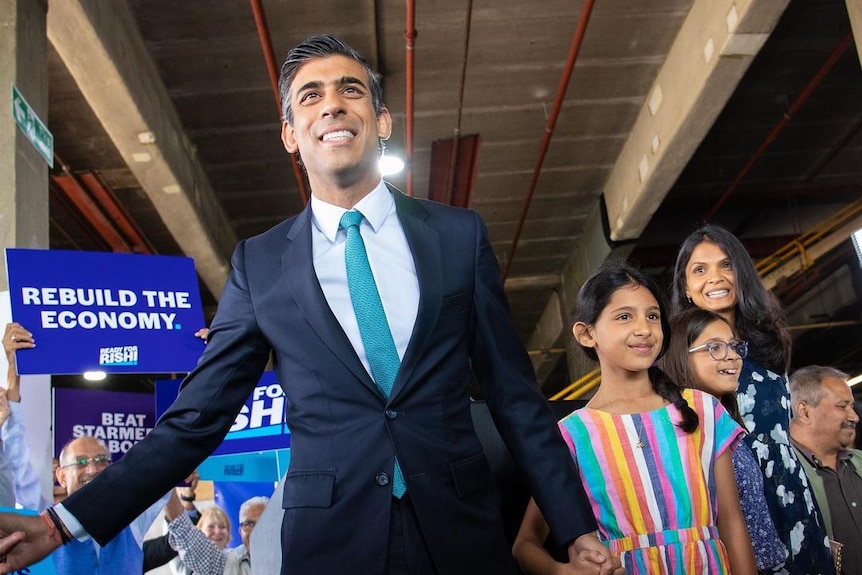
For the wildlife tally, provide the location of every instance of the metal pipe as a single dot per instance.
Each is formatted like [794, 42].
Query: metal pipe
[577, 40]
[410, 38]
[272, 69]
[788, 115]
[456, 139]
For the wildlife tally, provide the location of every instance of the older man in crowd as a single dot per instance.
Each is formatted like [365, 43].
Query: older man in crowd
[822, 430]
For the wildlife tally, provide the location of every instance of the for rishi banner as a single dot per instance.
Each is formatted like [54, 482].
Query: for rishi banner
[118, 419]
[96, 311]
[260, 425]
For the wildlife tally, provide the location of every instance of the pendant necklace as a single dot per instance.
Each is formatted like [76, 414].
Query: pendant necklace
[639, 444]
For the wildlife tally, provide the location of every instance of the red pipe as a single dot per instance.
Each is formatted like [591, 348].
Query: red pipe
[456, 140]
[788, 115]
[577, 40]
[410, 37]
[92, 212]
[272, 69]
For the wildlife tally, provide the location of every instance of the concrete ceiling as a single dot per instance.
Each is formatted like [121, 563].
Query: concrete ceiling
[676, 111]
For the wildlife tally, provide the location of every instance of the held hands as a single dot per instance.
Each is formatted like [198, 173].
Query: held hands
[588, 555]
[24, 540]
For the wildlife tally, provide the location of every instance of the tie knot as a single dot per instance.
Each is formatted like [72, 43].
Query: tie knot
[349, 219]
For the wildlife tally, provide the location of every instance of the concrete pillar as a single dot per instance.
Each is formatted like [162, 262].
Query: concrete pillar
[23, 172]
[24, 191]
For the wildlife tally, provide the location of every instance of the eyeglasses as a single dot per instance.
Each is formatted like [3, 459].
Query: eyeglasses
[82, 462]
[718, 349]
[247, 525]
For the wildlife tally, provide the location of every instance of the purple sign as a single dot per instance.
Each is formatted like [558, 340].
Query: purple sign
[119, 419]
[260, 425]
[98, 311]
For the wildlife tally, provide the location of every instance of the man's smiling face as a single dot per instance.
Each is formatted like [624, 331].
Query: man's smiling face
[335, 128]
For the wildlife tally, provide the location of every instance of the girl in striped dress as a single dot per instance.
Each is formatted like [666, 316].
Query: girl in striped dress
[655, 462]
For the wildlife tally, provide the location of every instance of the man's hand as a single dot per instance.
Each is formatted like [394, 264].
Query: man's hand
[187, 494]
[24, 540]
[588, 550]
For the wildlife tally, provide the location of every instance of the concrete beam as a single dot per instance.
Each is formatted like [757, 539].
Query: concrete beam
[854, 10]
[532, 282]
[553, 330]
[717, 42]
[103, 50]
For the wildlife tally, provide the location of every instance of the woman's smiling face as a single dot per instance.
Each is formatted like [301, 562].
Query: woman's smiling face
[709, 280]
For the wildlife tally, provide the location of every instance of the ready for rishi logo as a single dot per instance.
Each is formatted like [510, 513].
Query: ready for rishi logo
[122, 355]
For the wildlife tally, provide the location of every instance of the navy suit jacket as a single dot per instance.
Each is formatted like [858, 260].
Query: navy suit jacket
[344, 434]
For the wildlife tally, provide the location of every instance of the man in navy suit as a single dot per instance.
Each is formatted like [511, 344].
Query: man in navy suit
[287, 296]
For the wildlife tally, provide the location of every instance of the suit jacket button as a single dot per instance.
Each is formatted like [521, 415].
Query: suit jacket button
[382, 479]
[391, 414]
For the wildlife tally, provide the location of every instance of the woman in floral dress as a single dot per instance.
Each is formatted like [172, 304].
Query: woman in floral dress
[714, 272]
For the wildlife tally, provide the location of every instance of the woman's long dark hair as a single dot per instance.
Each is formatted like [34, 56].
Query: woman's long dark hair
[759, 317]
[594, 297]
[685, 328]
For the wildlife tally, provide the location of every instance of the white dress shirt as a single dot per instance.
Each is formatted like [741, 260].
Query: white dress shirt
[391, 263]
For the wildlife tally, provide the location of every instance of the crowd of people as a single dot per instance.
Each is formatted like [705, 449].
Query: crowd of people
[684, 461]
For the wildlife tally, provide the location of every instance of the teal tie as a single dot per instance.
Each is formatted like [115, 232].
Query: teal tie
[371, 317]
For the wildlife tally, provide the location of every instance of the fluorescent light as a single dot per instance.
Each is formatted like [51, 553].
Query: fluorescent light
[854, 380]
[95, 375]
[390, 165]
[857, 243]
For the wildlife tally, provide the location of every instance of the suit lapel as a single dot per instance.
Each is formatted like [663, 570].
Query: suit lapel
[297, 268]
[425, 247]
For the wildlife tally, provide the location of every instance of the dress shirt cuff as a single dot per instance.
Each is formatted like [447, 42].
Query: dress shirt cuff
[73, 525]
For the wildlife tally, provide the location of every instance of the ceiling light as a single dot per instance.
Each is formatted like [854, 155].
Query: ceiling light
[390, 165]
[854, 380]
[95, 375]
[857, 243]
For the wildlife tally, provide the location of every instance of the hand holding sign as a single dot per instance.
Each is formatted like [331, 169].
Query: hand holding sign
[15, 338]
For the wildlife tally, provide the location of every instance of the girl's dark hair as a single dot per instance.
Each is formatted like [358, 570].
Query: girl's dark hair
[685, 328]
[592, 300]
[759, 317]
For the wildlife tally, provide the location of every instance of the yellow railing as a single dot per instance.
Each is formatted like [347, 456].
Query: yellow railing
[799, 246]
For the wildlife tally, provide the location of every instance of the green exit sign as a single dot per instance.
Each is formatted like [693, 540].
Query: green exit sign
[32, 126]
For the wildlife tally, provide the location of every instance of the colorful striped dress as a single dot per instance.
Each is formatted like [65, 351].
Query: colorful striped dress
[652, 485]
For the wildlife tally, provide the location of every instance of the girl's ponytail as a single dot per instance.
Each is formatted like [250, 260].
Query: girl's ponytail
[670, 392]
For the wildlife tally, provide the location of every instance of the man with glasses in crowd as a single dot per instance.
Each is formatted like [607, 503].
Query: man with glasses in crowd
[81, 460]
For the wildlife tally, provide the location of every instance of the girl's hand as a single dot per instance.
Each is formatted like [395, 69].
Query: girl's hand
[588, 555]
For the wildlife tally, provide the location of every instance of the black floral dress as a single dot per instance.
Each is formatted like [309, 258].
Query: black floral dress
[764, 404]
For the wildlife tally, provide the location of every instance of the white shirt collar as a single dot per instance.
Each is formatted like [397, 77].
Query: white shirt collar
[375, 207]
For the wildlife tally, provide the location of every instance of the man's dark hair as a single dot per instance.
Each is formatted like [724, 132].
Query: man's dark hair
[321, 46]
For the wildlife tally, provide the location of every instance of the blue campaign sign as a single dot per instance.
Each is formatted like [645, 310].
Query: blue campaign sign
[260, 425]
[98, 311]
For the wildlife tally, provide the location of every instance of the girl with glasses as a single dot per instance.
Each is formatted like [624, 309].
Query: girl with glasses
[714, 272]
[704, 354]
